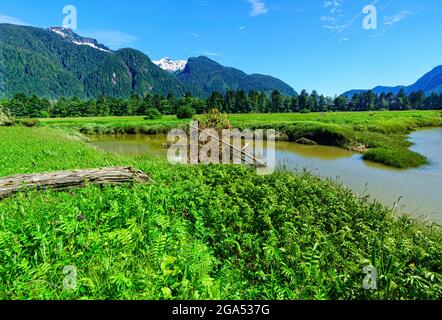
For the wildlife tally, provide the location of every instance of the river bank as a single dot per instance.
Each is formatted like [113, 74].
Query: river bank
[380, 136]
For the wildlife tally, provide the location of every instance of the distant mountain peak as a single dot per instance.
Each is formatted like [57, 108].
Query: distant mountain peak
[56, 62]
[205, 76]
[429, 83]
[172, 66]
[71, 36]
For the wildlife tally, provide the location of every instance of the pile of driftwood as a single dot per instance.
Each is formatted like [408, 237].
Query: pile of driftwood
[62, 180]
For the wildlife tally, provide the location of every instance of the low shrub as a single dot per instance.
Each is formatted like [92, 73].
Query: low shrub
[88, 129]
[215, 119]
[185, 112]
[153, 114]
[29, 122]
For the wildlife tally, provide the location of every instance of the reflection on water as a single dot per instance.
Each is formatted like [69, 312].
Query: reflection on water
[318, 152]
[419, 190]
[131, 145]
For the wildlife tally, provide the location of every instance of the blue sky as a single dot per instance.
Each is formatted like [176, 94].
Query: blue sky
[311, 44]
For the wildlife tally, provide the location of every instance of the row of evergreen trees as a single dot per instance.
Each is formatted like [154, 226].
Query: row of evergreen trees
[232, 102]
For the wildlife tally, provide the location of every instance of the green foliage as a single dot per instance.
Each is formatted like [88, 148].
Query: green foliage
[201, 232]
[39, 62]
[214, 119]
[185, 112]
[325, 134]
[153, 114]
[28, 122]
[204, 76]
[396, 157]
[238, 102]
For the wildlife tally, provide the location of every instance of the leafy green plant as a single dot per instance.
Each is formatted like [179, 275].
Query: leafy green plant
[185, 112]
[215, 119]
[153, 114]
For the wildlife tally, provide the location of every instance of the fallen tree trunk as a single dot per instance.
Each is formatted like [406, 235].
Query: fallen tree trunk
[62, 180]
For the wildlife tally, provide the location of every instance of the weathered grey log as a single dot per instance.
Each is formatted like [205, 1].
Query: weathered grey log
[62, 180]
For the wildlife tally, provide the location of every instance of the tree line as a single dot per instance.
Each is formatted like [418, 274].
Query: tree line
[22, 106]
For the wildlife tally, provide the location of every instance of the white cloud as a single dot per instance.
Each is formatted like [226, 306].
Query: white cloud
[258, 8]
[338, 22]
[333, 21]
[242, 28]
[391, 20]
[334, 6]
[196, 35]
[335, 27]
[328, 18]
[332, 3]
[11, 20]
[111, 38]
[208, 53]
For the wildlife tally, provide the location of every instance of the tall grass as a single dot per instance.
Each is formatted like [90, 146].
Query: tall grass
[396, 157]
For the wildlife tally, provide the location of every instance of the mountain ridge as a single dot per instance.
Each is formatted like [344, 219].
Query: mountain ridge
[207, 76]
[48, 64]
[73, 37]
[57, 62]
[429, 83]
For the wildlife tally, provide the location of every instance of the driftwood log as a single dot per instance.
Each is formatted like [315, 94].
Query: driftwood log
[62, 180]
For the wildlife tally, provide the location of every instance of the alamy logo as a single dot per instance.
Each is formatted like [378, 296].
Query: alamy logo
[227, 146]
[70, 19]
[70, 279]
[371, 278]
[370, 21]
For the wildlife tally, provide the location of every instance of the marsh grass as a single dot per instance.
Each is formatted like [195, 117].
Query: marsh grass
[396, 157]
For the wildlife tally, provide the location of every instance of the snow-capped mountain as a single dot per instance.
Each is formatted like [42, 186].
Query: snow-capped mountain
[172, 66]
[52, 66]
[71, 36]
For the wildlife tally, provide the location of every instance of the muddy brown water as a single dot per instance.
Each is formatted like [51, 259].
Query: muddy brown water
[415, 191]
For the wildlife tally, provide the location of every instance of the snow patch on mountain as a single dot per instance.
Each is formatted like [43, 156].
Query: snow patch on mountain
[74, 38]
[170, 65]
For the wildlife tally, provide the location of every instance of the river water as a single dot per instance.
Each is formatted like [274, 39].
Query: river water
[416, 191]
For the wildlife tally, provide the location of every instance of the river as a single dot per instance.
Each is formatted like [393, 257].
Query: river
[416, 191]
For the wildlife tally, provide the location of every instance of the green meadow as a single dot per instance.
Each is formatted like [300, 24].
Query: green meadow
[210, 232]
[381, 136]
